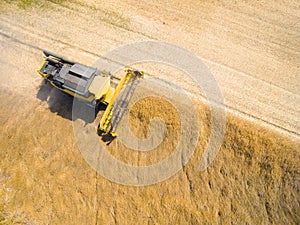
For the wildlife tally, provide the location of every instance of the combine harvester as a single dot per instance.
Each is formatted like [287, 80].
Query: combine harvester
[91, 86]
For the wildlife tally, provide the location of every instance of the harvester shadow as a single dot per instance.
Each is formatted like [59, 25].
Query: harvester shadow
[61, 104]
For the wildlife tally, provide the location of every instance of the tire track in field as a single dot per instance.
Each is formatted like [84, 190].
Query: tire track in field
[45, 38]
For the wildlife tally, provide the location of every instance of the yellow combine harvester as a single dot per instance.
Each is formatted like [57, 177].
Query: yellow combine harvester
[88, 84]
